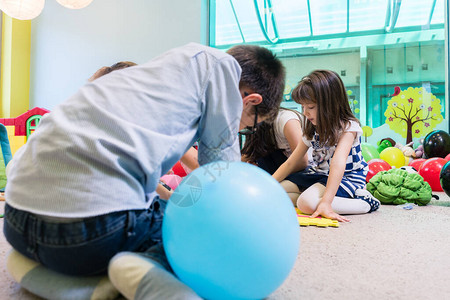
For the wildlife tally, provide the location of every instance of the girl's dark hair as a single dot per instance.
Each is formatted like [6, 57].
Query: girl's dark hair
[263, 141]
[262, 72]
[326, 89]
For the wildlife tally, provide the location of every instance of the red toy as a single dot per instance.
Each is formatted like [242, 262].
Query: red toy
[179, 170]
[430, 171]
[447, 158]
[416, 163]
[376, 165]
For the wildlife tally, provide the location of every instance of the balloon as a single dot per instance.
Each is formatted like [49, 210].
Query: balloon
[436, 144]
[416, 163]
[393, 156]
[445, 178]
[376, 165]
[430, 171]
[231, 232]
[179, 170]
[369, 151]
[447, 158]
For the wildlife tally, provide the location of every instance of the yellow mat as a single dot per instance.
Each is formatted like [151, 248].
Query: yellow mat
[305, 220]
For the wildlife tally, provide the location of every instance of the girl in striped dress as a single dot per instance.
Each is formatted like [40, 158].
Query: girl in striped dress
[334, 184]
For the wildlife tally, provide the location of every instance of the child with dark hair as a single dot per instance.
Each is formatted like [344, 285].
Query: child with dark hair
[262, 73]
[84, 184]
[274, 141]
[335, 181]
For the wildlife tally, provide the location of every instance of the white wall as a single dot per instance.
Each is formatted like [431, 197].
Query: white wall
[297, 67]
[68, 46]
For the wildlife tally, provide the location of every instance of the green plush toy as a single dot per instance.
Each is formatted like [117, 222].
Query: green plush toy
[385, 143]
[397, 186]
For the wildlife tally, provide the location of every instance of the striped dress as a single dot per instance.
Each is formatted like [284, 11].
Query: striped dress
[355, 170]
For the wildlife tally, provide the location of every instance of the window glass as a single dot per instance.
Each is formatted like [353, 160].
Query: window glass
[361, 11]
[438, 13]
[414, 12]
[328, 16]
[292, 18]
[390, 54]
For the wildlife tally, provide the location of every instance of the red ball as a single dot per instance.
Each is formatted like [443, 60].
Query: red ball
[447, 158]
[179, 170]
[416, 163]
[430, 171]
[376, 165]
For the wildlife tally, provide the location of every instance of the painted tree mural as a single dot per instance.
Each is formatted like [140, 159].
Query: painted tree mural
[413, 113]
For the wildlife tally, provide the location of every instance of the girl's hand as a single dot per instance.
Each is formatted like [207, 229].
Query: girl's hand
[326, 211]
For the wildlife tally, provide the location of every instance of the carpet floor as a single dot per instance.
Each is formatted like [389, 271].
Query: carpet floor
[392, 253]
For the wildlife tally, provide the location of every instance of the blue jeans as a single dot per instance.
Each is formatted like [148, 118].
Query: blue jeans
[85, 246]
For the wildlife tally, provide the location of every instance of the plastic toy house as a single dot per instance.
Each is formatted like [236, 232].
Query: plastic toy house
[20, 128]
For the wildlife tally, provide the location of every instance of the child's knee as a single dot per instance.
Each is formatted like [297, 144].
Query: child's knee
[306, 204]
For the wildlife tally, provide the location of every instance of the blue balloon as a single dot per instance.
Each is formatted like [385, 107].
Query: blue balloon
[230, 231]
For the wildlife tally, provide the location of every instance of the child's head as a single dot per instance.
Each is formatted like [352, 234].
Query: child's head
[105, 70]
[263, 142]
[263, 73]
[324, 91]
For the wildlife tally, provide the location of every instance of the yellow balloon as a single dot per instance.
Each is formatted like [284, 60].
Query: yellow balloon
[393, 156]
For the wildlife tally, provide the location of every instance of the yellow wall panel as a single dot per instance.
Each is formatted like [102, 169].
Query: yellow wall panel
[15, 67]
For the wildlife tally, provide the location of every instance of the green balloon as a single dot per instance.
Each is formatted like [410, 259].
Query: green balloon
[369, 151]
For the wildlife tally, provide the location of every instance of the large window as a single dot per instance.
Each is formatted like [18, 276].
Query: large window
[377, 46]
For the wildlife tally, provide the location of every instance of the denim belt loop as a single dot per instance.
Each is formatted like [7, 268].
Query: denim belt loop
[31, 225]
[131, 223]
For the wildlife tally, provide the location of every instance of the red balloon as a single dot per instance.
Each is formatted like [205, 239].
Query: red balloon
[376, 165]
[416, 163]
[447, 158]
[179, 170]
[430, 171]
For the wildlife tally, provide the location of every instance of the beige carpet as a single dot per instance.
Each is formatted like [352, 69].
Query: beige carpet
[390, 254]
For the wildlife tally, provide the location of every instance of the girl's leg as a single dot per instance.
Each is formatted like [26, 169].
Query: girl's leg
[291, 189]
[350, 206]
[307, 202]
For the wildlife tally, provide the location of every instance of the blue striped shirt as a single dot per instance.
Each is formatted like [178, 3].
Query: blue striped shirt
[355, 169]
[104, 149]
